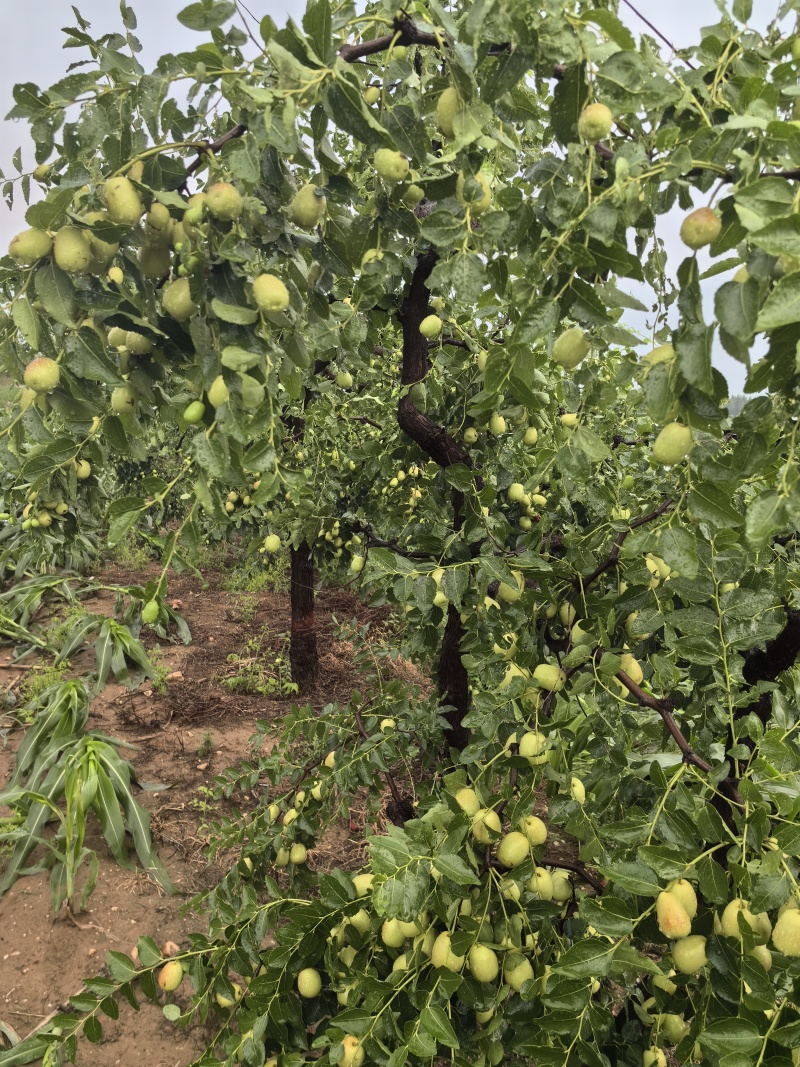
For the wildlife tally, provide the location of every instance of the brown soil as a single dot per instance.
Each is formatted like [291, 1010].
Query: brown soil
[44, 960]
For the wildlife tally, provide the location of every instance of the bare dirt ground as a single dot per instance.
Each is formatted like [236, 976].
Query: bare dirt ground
[44, 960]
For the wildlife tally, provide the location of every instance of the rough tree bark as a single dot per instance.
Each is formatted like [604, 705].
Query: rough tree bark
[303, 637]
[303, 657]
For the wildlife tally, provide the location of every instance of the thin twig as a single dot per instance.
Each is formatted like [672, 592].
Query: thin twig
[657, 32]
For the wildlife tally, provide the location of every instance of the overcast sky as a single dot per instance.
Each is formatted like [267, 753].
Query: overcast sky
[33, 51]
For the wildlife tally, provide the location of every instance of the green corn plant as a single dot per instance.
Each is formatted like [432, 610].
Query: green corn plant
[59, 765]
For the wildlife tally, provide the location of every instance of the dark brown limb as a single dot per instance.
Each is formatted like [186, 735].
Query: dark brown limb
[406, 32]
[453, 680]
[213, 147]
[619, 439]
[665, 709]
[359, 418]
[597, 884]
[403, 809]
[303, 656]
[613, 556]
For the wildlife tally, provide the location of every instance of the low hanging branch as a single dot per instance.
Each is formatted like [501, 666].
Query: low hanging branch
[727, 787]
[377, 542]
[665, 709]
[583, 583]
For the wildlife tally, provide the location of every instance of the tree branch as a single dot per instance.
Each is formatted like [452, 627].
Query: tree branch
[238, 130]
[613, 556]
[405, 32]
[597, 884]
[664, 709]
[359, 418]
[377, 542]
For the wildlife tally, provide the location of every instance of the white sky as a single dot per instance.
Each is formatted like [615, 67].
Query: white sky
[33, 51]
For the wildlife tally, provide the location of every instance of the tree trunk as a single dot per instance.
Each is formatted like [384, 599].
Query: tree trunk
[444, 450]
[453, 680]
[303, 641]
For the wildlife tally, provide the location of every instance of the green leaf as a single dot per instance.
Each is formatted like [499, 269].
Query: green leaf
[454, 867]
[710, 504]
[713, 881]
[678, 547]
[467, 277]
[121, 967]
[782, 306]
[241, 316]
[403, 895]
[766, 516]
[693, 348]
[434, 1021]
[592, 446]
[610, 916]
[569, 97]
[787, 1036]
[106, 807]
[122, 515]
[148, 952]
[207, 14]
[56, 293]
[507, 70]
[590, 958]
[239, 359]
[317, 22]
[658, 393]
[769, 892]
[26, 320]
[86, 358]
[728, 1036]
[736, 308]
[779, 238]
[345, 107]
[612, 28]
[636, 878]
[443, 228]
[92, 1030]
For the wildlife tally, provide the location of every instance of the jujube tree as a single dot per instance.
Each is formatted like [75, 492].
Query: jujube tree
[404, 241]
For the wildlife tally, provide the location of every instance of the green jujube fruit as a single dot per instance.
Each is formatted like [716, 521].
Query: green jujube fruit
[72, 250]
[123, 201]
[306, 208]
[30, 246]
